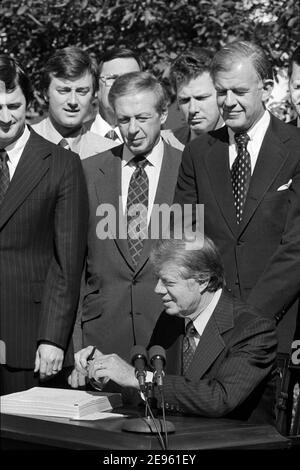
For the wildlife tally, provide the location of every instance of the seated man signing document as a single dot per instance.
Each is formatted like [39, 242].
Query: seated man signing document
[219, 352]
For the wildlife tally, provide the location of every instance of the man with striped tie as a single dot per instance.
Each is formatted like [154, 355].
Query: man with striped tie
[119, 307]
[220, 353]
[43, 225]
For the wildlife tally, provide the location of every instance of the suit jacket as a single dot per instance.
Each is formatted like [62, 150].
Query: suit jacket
[43, 225]
[293, 122]
[119, 307]
[261, 255]
[232, 371]
[178, 138]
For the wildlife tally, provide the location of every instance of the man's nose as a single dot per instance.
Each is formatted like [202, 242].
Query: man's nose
[193, 106]
[72, 100]
[132, 129]
[230, 99]
[160, 288]
[5, 115]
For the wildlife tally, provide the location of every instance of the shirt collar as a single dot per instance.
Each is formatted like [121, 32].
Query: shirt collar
[202, 319]
[257, 132]
[15, 148]
[154, 157]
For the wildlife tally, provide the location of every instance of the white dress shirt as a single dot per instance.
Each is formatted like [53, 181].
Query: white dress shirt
[152, 169]
[101, 127]
[203, 317]
[256, 134]
[15, 150]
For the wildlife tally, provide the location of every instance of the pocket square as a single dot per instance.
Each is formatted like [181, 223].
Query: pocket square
[285, 186]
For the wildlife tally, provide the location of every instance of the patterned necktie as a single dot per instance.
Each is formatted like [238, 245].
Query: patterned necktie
[137, 208]
[189, 346]
[111, 135]
[4, 174]
[241, 174]
[64, 143]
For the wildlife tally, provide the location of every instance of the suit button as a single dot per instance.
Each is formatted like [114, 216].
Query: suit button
[134, 282]
[240, 242]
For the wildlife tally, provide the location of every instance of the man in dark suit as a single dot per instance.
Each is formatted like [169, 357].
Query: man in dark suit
[196, 97]
[119, 307]
[247, 175]
[294, 84]
[43, 225]
[219, 351]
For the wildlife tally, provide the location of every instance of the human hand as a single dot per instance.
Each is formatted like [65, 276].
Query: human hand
[82, 358]
[48, 360]
[114, 368]
[77, 379]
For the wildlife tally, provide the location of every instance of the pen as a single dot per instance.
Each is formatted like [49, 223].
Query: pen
[91, 355]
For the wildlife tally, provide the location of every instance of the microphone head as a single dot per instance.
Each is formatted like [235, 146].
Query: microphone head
[157, 352]
[138, 352]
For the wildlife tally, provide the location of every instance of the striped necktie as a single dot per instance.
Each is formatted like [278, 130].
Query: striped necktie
[112, 135]
[137, 209]
[4, 174]
[189, 346]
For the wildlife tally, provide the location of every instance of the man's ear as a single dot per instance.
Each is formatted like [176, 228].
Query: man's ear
[45, 96]
[267, 88]
[163, 116]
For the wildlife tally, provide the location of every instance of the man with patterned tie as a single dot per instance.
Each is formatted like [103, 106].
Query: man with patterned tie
[247, 175]
[220, 353]
[43, 225]
[70, 82]
[119, 306]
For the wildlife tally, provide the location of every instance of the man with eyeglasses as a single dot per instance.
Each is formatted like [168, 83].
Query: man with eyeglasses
[70, 82]
[113, 63]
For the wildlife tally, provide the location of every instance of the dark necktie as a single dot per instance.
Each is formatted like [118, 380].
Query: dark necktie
[241, 174]
[64, 143]
[137, 202]
[189, 346]
[111, 135]
[4, 174]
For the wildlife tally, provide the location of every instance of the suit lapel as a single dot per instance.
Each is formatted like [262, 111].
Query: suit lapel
[217, 164]
[164, 194]
[270, 160]
[211, 343]
[30, 169]
[108, 189]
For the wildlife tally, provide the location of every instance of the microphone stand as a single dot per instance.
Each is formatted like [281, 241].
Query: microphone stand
[149, 424]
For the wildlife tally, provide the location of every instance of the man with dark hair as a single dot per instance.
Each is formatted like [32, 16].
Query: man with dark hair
[247, 175]
[196, 97]
[294, 84]
[70, 82]
[43, 225]
[219, 352]
[119, 307]
[113, 63]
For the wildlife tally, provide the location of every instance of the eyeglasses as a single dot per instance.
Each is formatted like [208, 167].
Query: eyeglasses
[108, 80]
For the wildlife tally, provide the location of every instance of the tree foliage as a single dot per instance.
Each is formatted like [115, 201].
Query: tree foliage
[31, 30]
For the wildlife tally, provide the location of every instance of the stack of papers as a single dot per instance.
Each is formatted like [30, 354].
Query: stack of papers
[64, 403]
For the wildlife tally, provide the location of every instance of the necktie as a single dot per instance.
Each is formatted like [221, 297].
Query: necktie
[111, 135]
[137, 208]
[64, 143]
[188, 346]
[4, 174]
[241, 174]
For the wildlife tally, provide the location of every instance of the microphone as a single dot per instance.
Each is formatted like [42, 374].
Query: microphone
[157, 356]
[139, 359]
